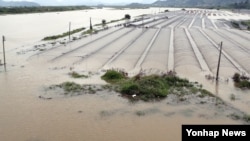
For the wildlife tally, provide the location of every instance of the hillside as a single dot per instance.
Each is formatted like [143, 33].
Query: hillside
[18, 4]
[196, 3]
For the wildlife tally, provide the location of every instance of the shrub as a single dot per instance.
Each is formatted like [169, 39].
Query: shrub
[241, 81]
[113, 76]
[244, 84]
[236, 77]
[129, 88]
[127, 16]
[153, 85]
[247, 118]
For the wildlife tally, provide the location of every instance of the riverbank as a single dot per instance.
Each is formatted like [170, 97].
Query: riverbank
[40, 9]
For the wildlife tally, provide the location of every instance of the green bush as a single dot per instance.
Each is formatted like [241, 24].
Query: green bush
[241, 81]
[175, 81]
[113, 76]
[236, 77]
[246, 118]
[244, 84]
[130, 88]
[152, 87]
[54, 37]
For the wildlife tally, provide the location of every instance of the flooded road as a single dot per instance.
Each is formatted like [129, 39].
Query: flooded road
[104, 116]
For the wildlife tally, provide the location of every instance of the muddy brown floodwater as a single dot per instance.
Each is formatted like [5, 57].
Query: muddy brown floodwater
[106, 116]
[100, 117]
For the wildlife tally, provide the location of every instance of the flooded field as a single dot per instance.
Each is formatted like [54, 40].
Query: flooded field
[185, 42]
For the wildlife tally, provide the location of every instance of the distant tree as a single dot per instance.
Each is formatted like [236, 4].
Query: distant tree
[127, 16]
[104, 22]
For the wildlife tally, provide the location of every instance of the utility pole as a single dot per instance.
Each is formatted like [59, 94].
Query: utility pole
[91, 28]
[69, 30]
[218, 68]
[4, 59]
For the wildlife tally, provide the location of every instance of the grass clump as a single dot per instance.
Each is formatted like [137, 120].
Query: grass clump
[70, 87]
[130, 88]
[246, 23]
[152, 86]
[246, 118]
[113, 76]
[146, 88]
[77, 75]
[140, 113]
[243, 117]
[54, 37]
[241, 81]
[74, 89]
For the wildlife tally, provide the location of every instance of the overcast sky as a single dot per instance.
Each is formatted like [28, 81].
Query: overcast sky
[86, 2]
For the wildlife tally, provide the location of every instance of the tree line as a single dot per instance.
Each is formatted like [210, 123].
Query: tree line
[241, 5]
[19, 10]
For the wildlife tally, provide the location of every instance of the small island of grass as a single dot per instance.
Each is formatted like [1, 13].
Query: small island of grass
[153, 87]
[54, 37]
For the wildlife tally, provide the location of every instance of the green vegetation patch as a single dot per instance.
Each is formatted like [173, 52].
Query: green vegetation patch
[241, 81]
[246, 23]
[70, 87]
[54, 37]
[139, 87]
[153, 87]
[246, 118]
[243, 117]
[73, 89]
[77, 75]
[112, 76]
